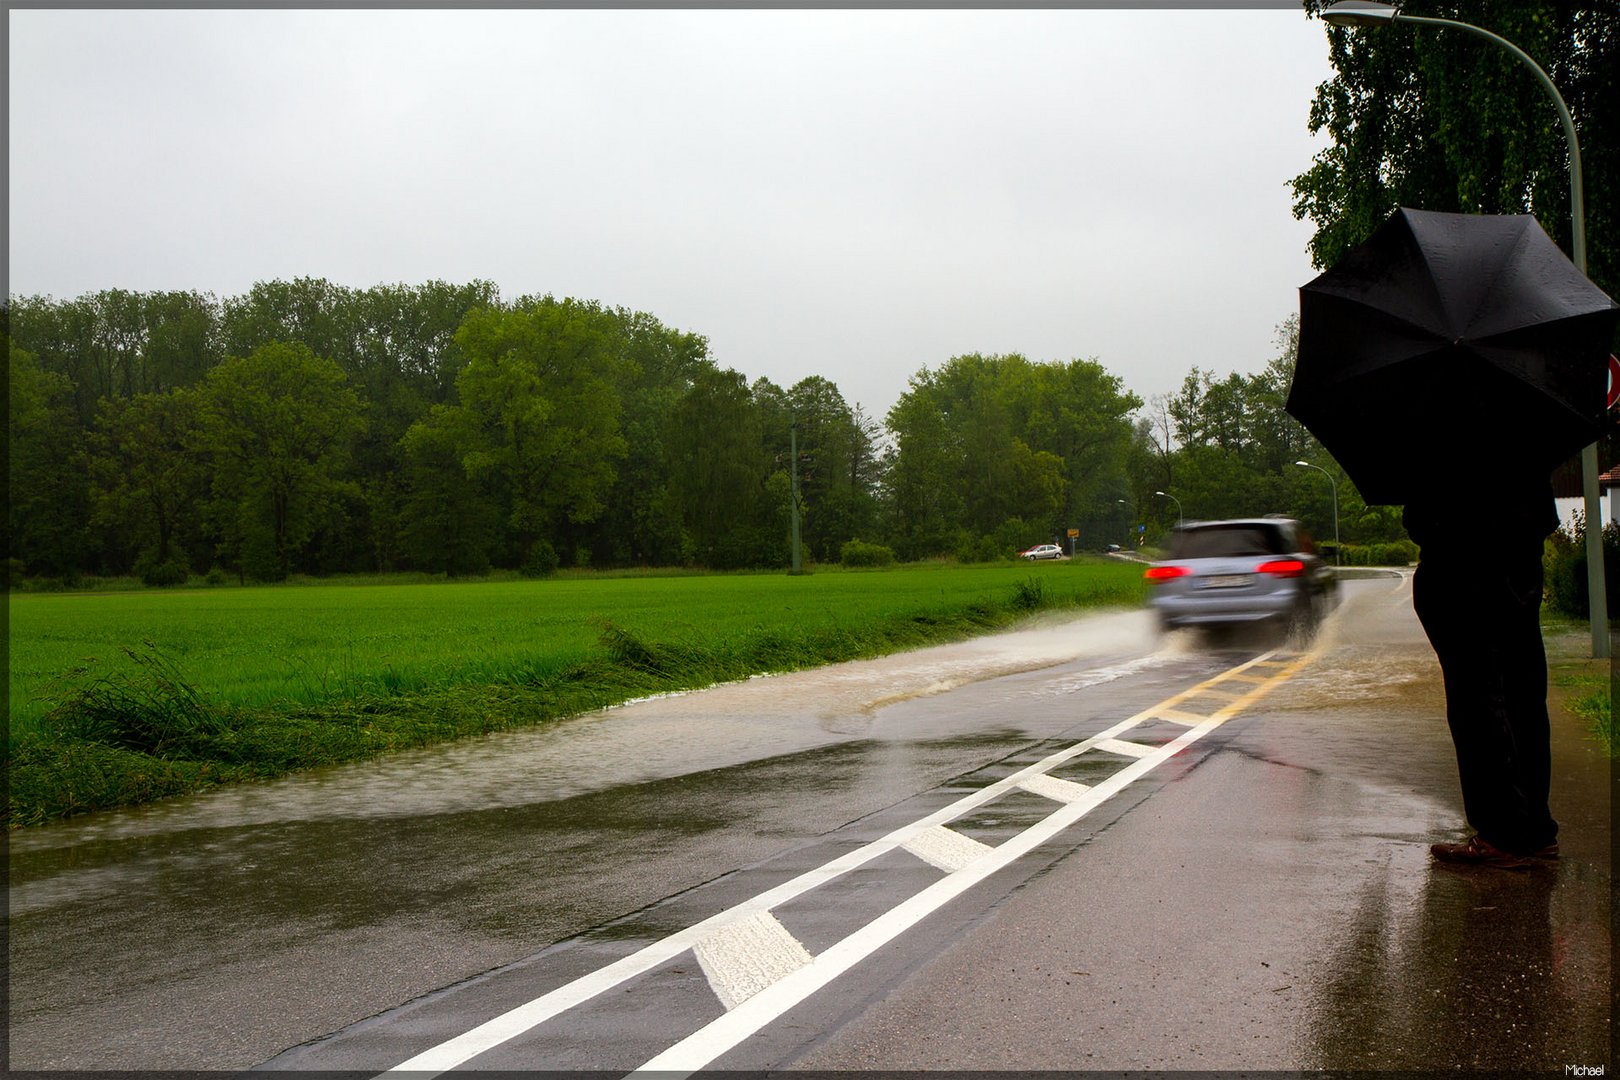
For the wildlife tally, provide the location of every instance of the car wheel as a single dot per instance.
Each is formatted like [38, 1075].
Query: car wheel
[1302, 624]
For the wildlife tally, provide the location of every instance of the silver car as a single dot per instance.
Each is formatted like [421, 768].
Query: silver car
[1251, 570]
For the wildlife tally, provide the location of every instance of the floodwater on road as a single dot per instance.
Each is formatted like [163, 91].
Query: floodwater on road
[347, 890]
[651, 739]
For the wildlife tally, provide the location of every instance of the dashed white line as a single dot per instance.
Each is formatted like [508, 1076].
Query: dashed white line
[709, 1042]
[1176, 716]
[761, 1006]
[1126, 749]
[1054, 787]
[744, 957]
[945, 849]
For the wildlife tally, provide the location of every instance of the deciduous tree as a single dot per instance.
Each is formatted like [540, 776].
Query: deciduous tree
[278, 427]
[48, 503]
[147, 473]
[1440, 119]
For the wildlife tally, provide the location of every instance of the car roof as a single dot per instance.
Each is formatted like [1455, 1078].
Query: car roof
[1268, 520]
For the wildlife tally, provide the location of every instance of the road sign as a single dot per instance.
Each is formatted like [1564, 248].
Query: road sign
[1074, 534]
[1614, 380]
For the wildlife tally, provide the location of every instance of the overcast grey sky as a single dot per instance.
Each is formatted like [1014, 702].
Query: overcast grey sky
[855, 194]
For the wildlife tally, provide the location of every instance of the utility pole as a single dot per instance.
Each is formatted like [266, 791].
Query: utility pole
[793, 452]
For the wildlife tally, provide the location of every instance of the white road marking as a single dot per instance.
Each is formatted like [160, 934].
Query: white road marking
[1176, 716]
[744, 957]
[1126, 749]
[1054, 787]
[708, 1043]
[945, 849]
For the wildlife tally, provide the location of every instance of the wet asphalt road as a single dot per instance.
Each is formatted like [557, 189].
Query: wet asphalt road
[1261, 900]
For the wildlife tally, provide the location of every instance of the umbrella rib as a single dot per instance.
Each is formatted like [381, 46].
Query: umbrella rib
[1418, 331]
[1484, 307]
[1436, 297]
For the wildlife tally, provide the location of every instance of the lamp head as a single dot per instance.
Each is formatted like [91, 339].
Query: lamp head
[1304, 463]
[1359, 13]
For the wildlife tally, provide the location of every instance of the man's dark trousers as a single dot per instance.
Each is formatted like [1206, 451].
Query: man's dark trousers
[1481, 614]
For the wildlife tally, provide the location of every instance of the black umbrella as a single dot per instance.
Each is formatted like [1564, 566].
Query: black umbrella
[1447, 344]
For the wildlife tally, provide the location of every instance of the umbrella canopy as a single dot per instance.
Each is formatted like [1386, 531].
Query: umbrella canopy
[1448, 341]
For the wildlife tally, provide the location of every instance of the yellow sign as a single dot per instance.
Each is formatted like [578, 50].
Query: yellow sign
[1074, 534]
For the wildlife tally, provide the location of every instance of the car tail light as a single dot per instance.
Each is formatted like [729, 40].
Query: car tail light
[1283, 568]
[1165, 573]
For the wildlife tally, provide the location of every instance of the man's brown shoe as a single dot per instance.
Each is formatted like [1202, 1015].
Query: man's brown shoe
[1478, 852]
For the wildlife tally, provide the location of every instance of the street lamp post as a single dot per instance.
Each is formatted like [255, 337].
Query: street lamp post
[1334, 485]
[1368, 13]
[1180, 517]
[793, 452]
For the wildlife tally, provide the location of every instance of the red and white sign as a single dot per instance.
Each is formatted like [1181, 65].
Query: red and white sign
[1614, 380]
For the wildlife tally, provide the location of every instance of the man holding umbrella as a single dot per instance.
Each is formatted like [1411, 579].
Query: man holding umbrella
[1445, 331]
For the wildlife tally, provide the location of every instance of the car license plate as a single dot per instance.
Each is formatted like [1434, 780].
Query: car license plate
[1226, 581]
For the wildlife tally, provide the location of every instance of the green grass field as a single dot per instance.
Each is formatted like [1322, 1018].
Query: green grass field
[244, 682]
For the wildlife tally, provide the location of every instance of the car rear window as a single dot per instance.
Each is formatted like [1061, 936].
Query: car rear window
[1219, 541]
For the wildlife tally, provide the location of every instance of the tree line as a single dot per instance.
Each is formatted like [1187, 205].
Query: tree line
[310, 428]
[1224, 446]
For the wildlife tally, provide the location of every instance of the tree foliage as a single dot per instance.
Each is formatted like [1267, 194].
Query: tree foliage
[985, 440]
[1225, 447]
[146, 474]
[1439, 118]
[307, 427]
[277, 427]
[48, 504]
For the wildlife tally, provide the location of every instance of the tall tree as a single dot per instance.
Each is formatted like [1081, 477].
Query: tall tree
[990, 440]
[828, 442]
[48, 501]
[1440, 119]
[717, 466]
[405, 361]
[278, 427]
[148, 476]
[538, 413]
[450, 522]
[659, 366]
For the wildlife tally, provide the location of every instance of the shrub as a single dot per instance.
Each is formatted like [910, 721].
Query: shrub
[1564, 563]
[216, 576]
[542, 560]
[1394, 553]
[1029, 594]
[151, 709]
[1016, 534]
[860, 553]
[982, 550]
[160, 574]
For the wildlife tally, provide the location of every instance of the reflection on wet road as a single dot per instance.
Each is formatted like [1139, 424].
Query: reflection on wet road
[341, 893]
[1264, 901]
[756, 966]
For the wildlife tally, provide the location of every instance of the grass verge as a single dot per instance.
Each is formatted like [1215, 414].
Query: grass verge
[154, 724]
[1587, 683]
